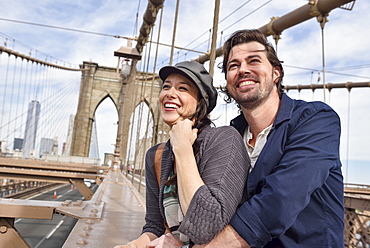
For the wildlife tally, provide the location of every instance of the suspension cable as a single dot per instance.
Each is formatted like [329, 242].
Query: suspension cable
[5, 91]
[152, 85]
[68, 29]
[136, 19]
[12, 92]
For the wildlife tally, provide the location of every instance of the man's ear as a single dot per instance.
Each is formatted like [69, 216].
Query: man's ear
[276, 74]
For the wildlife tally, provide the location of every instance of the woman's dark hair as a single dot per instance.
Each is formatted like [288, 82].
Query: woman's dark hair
[245, 36]
[200, 116]
[202, 120]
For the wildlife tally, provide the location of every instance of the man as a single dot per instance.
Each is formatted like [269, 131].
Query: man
[295, 190]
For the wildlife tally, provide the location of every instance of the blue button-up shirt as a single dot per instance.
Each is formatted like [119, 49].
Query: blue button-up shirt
[296, 187]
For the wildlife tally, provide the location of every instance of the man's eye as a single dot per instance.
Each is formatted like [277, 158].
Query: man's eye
[165, 86]
[231, 66]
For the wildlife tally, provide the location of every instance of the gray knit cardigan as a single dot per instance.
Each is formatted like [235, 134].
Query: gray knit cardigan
[223, 164]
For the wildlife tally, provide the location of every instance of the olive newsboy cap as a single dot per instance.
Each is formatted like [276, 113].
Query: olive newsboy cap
[197, 74]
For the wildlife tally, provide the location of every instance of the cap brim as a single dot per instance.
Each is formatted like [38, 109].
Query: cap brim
[164, 72]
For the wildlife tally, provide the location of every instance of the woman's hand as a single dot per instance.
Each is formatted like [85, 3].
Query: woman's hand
[182, 134]
[182, 137]
[165, 241]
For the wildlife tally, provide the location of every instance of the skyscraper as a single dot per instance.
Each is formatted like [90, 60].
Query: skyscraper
[29, 140]
[46, 146]
[67, 150]
[17, 144]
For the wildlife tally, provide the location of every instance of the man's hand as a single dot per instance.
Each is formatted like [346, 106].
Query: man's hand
[165, 241]
[228, 238]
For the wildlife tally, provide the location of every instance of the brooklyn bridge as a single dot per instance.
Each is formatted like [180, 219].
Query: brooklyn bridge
[72, 171]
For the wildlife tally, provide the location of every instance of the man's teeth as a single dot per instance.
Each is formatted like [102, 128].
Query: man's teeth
[171, 105]
[244, 83]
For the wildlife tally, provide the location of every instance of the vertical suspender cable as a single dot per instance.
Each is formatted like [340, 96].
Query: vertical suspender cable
[141, 106]
[133, 123]
[4, 97]
[18, 98]
[1, 118]
[11, 105]
[49, 81]
[323, 62]
[151, 98]
[214, 38]
[154, 69]
[131, 130]
[221, 34]
[348, 124]
[209, 38]
[47, 115]
[30, 82]
[25, 81]
[174, 31]
[41, 88]
[136, 19]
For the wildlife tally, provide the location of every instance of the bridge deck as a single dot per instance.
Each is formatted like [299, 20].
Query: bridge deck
[115, 213]
[121, 219]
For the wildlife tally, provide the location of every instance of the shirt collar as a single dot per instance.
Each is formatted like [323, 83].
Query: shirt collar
[284, 113]
[285, 110]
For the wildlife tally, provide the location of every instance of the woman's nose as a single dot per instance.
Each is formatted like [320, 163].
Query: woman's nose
[171, 92]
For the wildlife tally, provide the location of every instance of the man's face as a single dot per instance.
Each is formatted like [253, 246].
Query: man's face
[251, 79]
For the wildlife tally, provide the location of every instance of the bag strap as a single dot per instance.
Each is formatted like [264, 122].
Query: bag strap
[158, 162]
[157, 169]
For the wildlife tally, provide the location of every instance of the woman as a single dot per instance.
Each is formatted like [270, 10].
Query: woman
[203, 169]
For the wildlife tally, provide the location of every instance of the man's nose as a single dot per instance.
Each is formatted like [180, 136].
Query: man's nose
[243, 69]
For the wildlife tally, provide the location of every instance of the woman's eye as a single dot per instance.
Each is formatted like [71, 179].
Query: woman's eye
[165, 86]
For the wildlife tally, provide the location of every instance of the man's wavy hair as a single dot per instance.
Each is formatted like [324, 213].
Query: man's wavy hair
[245, 36]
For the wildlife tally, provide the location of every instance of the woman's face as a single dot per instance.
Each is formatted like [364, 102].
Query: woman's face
[178, 99]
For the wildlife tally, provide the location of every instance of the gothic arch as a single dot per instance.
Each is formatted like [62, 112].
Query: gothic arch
[97, 84]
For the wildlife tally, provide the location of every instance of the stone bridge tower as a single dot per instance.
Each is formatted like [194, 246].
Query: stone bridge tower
[98, 83]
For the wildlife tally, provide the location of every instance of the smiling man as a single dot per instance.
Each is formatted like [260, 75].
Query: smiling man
[295, 188]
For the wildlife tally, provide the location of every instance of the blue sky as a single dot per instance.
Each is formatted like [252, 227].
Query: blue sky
[346, 36]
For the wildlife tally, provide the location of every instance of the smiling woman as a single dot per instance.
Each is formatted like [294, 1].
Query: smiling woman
[203, 169]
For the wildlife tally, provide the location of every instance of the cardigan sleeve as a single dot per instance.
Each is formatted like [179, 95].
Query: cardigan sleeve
[224, 167]
[154, 222]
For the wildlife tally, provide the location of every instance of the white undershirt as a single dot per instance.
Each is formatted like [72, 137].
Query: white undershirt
[255, 151]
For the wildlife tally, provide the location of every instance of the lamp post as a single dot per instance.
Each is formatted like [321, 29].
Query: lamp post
[125, 68]
[127, 76]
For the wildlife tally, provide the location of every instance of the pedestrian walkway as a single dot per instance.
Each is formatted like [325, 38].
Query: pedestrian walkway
[121, 209]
